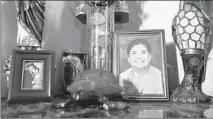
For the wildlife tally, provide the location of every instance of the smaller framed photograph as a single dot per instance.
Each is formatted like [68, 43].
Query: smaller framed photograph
[32, 76]
[139, 62]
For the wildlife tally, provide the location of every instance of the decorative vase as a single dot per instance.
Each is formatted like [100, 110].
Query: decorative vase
[73, 64]
[99, 16]
[191, 31]
[100, 23]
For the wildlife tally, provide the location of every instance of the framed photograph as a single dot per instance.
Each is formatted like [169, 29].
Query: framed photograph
[32, 76]
[139, 62]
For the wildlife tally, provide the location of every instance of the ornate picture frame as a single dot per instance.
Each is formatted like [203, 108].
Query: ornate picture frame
[32, 76]
[139, 60]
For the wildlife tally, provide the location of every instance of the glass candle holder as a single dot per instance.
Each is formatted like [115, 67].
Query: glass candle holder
[100, 24]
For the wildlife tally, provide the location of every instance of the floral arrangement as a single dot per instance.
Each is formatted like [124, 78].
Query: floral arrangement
[7, 64]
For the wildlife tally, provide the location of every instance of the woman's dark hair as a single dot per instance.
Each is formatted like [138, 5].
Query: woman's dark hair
[137, 42]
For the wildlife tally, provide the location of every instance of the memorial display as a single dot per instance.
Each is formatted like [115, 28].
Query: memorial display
[122, 74]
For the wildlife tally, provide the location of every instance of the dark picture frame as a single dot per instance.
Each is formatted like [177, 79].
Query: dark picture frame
[32, 76]
[123, 69]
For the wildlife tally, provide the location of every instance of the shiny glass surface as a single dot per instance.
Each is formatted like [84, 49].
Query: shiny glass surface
[136, 110]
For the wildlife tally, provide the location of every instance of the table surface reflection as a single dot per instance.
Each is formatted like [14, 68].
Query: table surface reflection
[136, 110]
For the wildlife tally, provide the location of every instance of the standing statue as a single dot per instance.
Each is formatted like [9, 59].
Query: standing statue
[191, 31]
[30, 21]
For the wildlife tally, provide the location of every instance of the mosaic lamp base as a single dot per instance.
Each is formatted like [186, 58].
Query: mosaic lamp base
[194, 68]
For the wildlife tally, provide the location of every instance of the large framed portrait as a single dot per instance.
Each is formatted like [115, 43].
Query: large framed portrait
[32, 76]
[139, 60]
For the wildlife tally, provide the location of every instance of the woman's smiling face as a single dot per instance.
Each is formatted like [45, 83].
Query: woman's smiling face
[139, 57]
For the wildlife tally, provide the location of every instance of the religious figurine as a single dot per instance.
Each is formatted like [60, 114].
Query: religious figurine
[30, 21]
[191, 31]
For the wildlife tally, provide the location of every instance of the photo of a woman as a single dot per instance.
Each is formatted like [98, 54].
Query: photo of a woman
[37, 80]
[141, 77]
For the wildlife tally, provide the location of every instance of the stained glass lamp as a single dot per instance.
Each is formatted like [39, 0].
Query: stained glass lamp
[191, 31]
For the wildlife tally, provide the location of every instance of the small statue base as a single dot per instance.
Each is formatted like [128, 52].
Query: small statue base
[194, 68]
[30, 48]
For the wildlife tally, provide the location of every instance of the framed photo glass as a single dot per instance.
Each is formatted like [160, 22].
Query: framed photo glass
[140, 64]
[32, 76]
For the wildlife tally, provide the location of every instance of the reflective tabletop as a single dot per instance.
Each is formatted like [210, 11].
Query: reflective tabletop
[136, 110]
